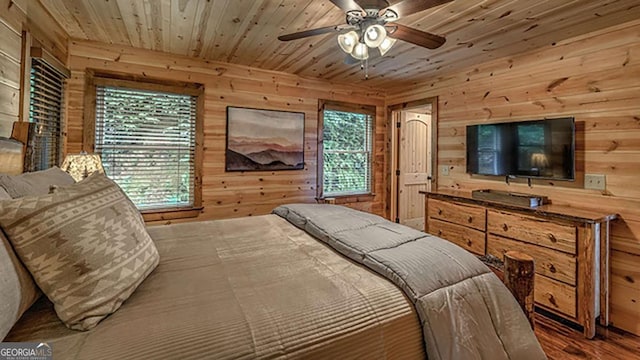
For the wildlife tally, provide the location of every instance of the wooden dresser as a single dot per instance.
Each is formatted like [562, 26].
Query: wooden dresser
[570, 247]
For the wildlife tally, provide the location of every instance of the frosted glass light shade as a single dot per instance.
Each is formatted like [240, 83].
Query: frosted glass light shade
[79, 166]
[348, 41]
[385, 45]
[374, 35]
[360, 51]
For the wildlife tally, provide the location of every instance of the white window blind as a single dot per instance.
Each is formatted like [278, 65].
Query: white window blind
[45, 110]
[346, 152]
[147, 143]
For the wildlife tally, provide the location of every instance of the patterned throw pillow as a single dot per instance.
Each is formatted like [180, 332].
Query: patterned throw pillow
[85, 245]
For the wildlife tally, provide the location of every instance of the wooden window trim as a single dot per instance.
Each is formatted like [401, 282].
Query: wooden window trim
[346, 107]
[94, 79]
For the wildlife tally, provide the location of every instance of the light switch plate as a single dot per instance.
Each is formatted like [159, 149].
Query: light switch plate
[444, 170]
[595, 181]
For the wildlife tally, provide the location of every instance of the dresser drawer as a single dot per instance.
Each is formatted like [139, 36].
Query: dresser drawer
[533, 230]
[458, 213]
[555, 296]
[467, 238]
[551, 263]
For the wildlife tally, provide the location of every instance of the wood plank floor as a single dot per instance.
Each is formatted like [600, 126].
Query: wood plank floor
[562, 342]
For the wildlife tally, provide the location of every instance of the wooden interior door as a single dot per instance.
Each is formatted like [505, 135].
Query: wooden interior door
[414, 164]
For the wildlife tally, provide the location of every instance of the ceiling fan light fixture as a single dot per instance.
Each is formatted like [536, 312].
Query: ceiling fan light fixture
[385, 45]
[374, 35]
[390, 15]
[348, 41]
[360, 52]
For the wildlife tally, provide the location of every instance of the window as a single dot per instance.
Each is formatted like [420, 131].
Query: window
[146, 136]
[45, 110]
[346, 149]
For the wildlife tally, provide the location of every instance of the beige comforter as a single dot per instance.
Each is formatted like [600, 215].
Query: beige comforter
[243, 289]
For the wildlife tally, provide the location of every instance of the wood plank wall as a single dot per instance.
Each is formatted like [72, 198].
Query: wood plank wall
[594, 78]
[10, 59]
[234, 194]
[17, 16]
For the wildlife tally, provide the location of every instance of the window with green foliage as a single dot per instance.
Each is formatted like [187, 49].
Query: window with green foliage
[146, 139]
[346, 152]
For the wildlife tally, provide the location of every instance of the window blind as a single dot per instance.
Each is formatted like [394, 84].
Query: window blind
[45, 110]
[146, 140]
[347, 148]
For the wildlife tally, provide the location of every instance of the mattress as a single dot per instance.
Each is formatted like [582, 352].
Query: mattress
[243, 288]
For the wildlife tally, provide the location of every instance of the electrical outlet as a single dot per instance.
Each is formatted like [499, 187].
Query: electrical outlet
[444, 170]
[595, 181]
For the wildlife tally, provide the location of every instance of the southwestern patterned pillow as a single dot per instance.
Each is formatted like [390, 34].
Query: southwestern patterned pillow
[85, 245]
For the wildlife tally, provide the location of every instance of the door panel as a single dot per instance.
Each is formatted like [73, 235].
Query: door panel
[415, 167]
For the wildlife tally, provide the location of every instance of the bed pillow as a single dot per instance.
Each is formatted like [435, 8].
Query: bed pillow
[85, 245]
[34, 183]
[4, 195]
[18, 291]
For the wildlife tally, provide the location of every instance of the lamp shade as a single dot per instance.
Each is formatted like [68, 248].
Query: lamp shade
[374, 35]
[348, 41]
[360, 51]
[79, 166]
[385, 45]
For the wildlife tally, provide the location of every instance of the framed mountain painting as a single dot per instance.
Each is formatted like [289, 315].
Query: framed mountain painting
[264, 140]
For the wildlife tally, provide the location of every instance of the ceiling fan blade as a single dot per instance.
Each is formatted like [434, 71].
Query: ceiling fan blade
[414, 36]
[347, 5]
[407, 7]
[307, 33]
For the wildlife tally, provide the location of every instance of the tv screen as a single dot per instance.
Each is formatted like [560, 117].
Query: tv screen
[536, 149]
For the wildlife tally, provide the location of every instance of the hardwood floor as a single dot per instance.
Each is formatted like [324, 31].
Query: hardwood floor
[562, 342]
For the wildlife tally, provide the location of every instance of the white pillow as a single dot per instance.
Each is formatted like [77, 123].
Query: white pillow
[34, 183]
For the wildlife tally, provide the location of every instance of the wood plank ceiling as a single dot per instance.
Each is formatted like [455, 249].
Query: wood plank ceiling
[245, 32]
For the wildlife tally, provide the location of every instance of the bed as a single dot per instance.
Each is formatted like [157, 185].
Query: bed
[247, 288]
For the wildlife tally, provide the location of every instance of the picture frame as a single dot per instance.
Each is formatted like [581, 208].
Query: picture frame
[264, 140]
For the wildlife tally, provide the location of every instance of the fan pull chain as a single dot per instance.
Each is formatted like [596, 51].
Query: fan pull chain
[364, 65]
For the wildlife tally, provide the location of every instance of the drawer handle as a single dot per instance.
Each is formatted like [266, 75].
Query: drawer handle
[439, 232]
[469, 242]
[439, 211]
[552, 300]
[505, 227]
[552, 268]
[470, 219]
[553, 238]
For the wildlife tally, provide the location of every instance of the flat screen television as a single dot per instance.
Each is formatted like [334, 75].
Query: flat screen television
[533, 149]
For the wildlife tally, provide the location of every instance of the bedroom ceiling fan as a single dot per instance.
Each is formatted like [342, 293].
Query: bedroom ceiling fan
[371, 24]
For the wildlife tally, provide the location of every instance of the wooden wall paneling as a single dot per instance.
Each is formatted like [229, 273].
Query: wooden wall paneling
[17, 18]
[316, 15]
[67, 18]
[592, 77]
[239, 193]
[47, 32]
[625, 293]
[10, 78]
[232, 29]
[106, 14]
[263, 28]
[245, 32]
[183, 21]
[203, 35]
[14, 13]
[272, 52]
[137, 30]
